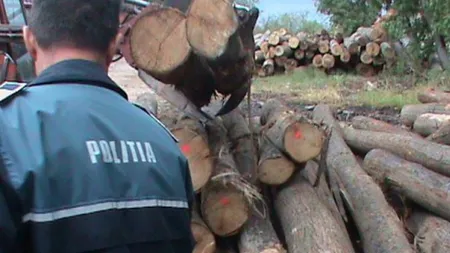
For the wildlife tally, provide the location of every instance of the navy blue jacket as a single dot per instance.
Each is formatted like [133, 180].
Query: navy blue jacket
[84, 170]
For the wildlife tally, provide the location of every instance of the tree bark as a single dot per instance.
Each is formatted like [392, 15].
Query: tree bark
[204, 239]
[259, 236]
[367, 123]
[291, 133]
[369, 32]
[351, 44]
[442, 135]
[283, 50]
[434, 95]
[410, 113]
[224, 205]
[193, 142]
[274, 168]
[423, 186]
[429, 123]
[432, 232]
[309, 226]
[378, 224]
[310, 172]
[387, 50]
[434, 156]
[242, 146]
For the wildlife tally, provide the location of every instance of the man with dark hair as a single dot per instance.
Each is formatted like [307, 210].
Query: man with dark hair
[81, 168]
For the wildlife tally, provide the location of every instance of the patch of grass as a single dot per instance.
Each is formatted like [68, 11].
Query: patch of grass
[386, 97]
[310, 85]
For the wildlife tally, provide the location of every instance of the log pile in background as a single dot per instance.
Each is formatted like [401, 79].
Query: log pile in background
[366, 51]
[385, 187]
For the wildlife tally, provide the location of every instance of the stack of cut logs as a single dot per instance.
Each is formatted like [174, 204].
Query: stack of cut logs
[384, 188]
[366, 51]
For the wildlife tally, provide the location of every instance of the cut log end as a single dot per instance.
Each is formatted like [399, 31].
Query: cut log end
[303, 141]
[317, 61]
[225, 211]
[194, 146]
[275, 171]
[158, 43]
[204, 19]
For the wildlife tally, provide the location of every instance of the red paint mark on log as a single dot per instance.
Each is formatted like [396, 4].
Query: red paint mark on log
[186, 148]
[298, 134]
[224, 201]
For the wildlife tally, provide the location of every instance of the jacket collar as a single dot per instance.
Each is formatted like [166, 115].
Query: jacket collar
[78, 71]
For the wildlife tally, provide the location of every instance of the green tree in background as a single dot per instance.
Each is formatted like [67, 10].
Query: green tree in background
[294, 22]
[349, 14]
[426, 23]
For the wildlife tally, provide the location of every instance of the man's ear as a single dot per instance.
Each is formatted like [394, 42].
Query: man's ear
[30, 42]
[113, 46]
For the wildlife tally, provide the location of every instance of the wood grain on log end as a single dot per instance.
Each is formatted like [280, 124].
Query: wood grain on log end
[159, 45]
[194, 145]
[210, 24]
[225, 210]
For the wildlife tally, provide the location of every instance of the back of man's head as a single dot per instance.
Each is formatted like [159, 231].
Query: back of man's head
[82, 24]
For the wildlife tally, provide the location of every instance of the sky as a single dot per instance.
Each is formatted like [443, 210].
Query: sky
[269, 7]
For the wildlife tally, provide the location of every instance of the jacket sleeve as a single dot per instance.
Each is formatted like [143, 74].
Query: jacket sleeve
[189, 187]
[9, 217]
[190, 198]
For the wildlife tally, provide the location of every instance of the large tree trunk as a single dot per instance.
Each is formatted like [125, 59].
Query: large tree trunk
[428, 123]
[367, 123]
[224, 205]
[378, 224]
[433, 95]
[387, 51]
[442, 135]
[425, 187]
[441, 50]
[432, 155]
[308, 224]
[259, 236]
[204, 19]
[193, 142]
[204, 239]
[410, 113]
[351, 45]
[293, 134]
[432, 232]
[242, 146]
[310, 172]
[159, 45]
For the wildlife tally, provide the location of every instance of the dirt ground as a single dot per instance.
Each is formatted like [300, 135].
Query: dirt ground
[128, 79]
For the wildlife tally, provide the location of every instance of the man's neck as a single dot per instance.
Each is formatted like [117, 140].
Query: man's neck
[53, 56]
